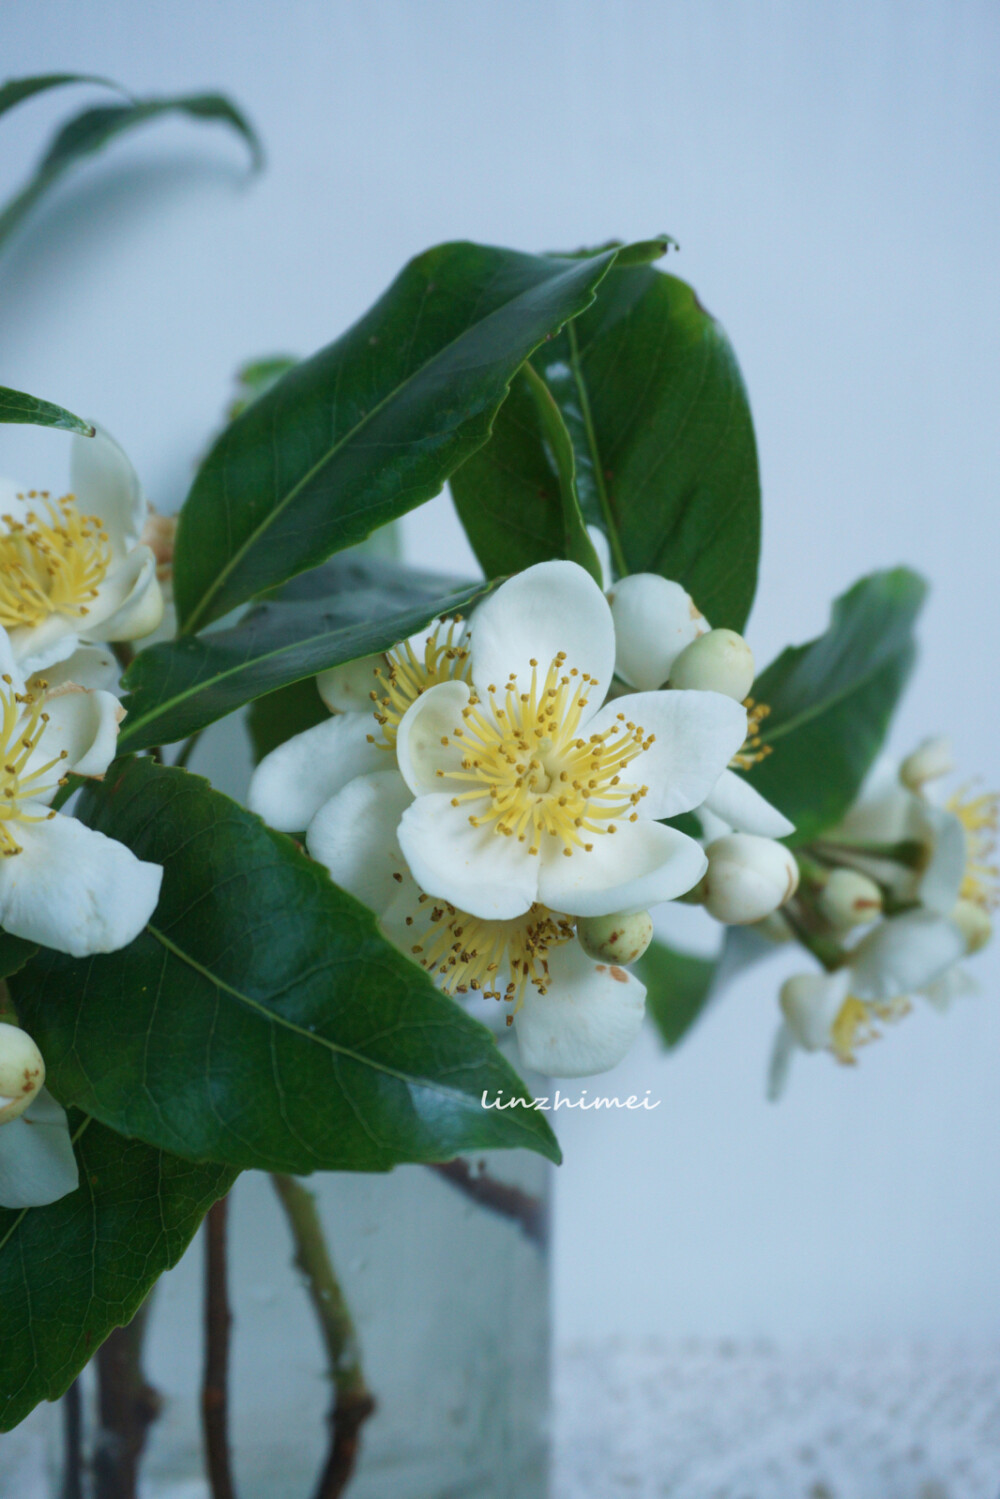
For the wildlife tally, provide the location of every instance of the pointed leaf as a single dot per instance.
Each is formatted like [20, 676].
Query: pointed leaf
[678, 987]
[17, 90]
[16, 406]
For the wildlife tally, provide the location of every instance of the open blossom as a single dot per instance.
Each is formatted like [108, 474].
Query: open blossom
[37, 1164]
[572, 1016]
[62, 885]
[72, 568]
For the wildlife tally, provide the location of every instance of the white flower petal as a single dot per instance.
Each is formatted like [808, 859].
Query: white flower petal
[129, 602]
[90, 666]
[637, 866]
[654, 620]
[551, 607]
[953, 984]
[10, 672]
[73, 889]
[37, 647]
[291, 783]
[476, 869]
[37, 1164]
[811, 1002]
[941, 881]
[904, 954]
[354, 835]
[105, 484]
[84, 725]
[599, 542]
[347, 688]
[883, 811]
[586, 1020]
[741, 805]
[425, 740]
[696, 736]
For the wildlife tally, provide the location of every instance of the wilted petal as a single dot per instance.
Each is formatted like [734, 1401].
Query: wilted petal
[586, 1020]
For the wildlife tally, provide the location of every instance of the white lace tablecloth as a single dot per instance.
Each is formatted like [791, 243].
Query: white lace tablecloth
[734, 1420]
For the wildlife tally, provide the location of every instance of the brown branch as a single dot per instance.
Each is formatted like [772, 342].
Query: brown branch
[353, 1402]
[72, 1480]
[215, 1380]
[127, 1405]
[510, 1202]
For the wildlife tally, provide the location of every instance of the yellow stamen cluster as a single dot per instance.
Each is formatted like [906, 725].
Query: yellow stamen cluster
[22, 724]
[407, 675]
[495, 958]
[753, 750]
[524, 757]
[855, 1024]
[979, 816]
[51, 562]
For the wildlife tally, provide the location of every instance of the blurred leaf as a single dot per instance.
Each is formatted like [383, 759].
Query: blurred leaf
[666, 462]
[257, 377]
[14, 953]
[16, 406]
[261, 1020]
[372, 425]
[73, 1271]
[678, 987]
[832, 699]
[88, 132]
[182, 685]
[17, 90]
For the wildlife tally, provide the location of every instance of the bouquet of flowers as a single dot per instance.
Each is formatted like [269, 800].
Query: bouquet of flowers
[471, 796]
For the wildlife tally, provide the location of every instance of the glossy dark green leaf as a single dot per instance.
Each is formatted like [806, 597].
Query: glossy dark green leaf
[17, 90]
[666, 462]
[372, 425]
[678, 987]
[257, 377]
[73, 1271]
[17, 406]
[14, 953]
[260, 1020]
[88, 132]
[832, 699]
[183, 685]
[277, 716]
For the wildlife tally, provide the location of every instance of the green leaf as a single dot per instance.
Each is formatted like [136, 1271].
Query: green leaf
[73, 1271]
[360, 608]
[256, 377]
[831, 701]
[278, 716]
[678, 987]
[17, 90]
[14, 953]
[372, 425]
[666, 462]
[261, 1020]
[88, 132]
[16, 406]
[528, 511]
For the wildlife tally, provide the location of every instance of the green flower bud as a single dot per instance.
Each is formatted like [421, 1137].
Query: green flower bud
[22, 1071]
[621, 938]
[719, 661]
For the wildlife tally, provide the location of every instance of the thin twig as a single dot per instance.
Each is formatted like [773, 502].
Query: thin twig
[215, 1381]
[72, 1481]
[353, 1402]
[127, 1405]
[186, 750]
[510, 1202]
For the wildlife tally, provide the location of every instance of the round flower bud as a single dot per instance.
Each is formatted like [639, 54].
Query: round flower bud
[850, 898]
[719, 661]
[622, 938]
[748, 878]
[928, 761]
[22, 1071]
[974, 924]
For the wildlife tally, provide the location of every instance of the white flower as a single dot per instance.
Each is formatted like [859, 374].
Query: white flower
[72, 569]
[572, 1016]
[903, 957]
[37, 1165]
[526, 790]
[62, 885]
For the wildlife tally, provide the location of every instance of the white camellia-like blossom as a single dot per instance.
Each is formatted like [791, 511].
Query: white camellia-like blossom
[527, 790]
[37, 1164]
[62, 885]
[73, 569]
[572, 1016]
[914, 954]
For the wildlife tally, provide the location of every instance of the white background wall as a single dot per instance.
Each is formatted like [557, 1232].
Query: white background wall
[830, 172]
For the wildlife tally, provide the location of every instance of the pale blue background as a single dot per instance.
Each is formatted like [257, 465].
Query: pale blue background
[830, 172]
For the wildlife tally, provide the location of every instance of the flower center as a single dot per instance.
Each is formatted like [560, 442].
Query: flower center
[852, 1028]
[495, 958]
[51, 562]
[22, 724]
[753, 749]
[979, 817]
[407, 675]
[527, 762]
